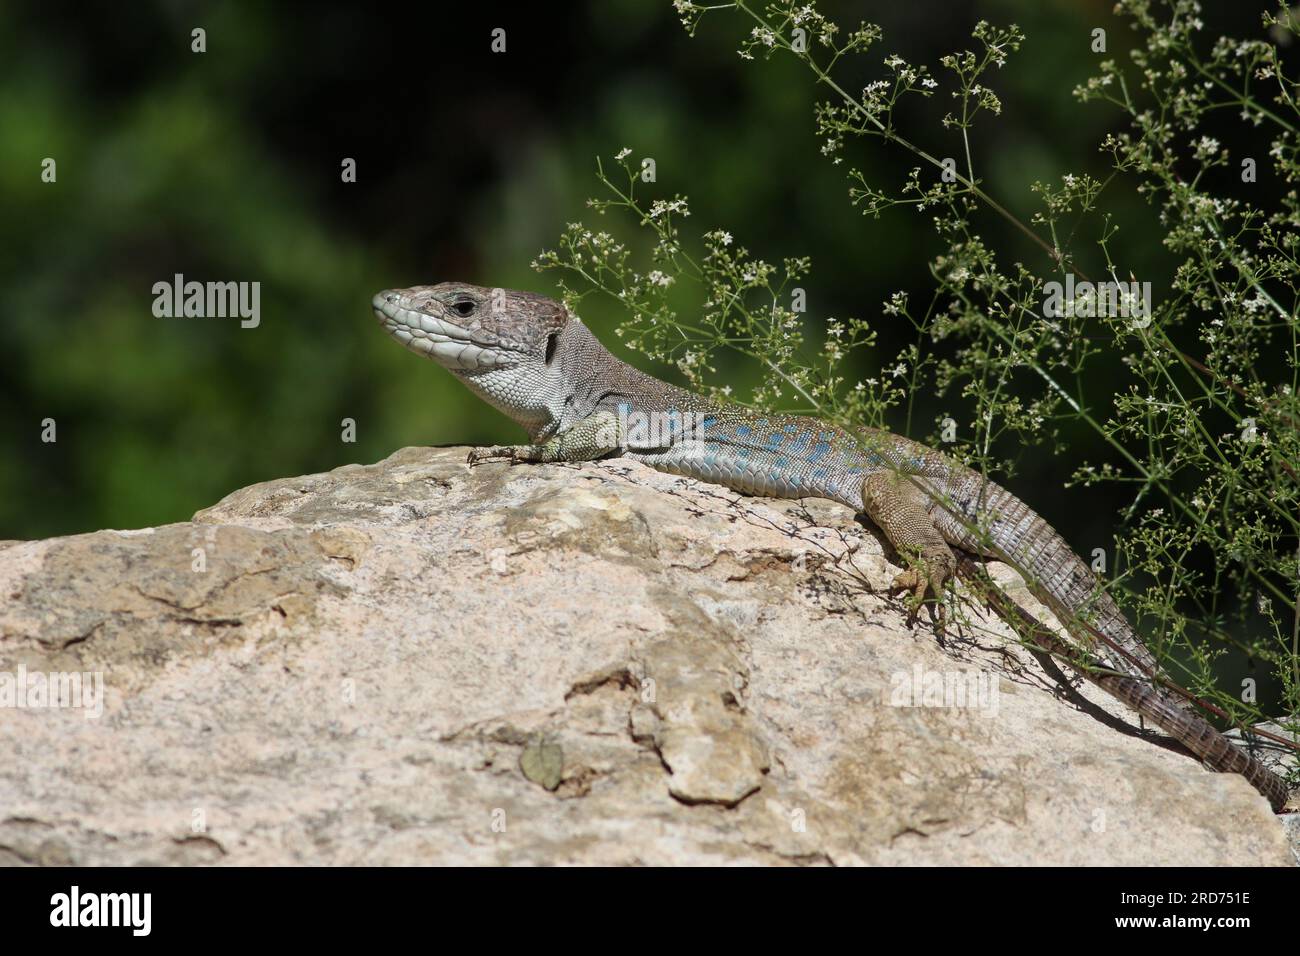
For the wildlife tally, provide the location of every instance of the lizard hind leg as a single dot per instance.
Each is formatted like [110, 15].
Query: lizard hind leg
[902, 511]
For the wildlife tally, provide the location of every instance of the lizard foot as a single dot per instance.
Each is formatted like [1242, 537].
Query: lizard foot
[928, 575]
[510, 453]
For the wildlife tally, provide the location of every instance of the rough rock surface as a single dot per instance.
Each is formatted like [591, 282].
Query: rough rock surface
[415, 662]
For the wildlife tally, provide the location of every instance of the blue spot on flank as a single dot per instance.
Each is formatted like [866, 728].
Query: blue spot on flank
[825, 436]
[775, 439]
[818, 474]
[783, 463]
[744, 452]
[789, 428]
[709, 421]
[625, 409]
[819, 451]
[742, 431]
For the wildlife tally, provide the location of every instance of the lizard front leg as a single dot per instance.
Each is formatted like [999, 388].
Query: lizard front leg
[593, 437]
[902, 511]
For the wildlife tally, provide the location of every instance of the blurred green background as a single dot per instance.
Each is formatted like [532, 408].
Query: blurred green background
[226, 166]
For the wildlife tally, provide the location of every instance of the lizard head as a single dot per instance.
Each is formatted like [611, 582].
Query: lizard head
[504, 345]
[472, 330]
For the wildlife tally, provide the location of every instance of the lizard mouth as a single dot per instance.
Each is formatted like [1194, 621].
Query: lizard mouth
[433, 336]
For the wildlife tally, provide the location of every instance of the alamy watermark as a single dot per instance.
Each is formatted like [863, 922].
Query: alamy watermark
[57, 690]
[208, 300]
[1129, 300]
[640, 431]
[75, 908]
[974, 690]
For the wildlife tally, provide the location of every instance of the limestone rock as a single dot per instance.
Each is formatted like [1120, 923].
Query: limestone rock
[352, 667]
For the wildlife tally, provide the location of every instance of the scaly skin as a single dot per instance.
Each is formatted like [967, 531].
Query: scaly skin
[524, 354]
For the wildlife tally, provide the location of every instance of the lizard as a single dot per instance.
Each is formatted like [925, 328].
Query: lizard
[528, 356]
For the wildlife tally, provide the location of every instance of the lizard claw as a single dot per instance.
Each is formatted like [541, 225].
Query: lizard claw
[940, 619]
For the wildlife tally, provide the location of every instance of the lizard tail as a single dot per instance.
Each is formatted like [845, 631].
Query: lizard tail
[1194, 733]
[987, 519]
[984, 518]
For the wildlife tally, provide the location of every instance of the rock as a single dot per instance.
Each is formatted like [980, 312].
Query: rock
[414, 662]
[1280, 760]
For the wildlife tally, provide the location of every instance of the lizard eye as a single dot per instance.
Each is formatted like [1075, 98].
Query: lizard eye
[463, 307]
